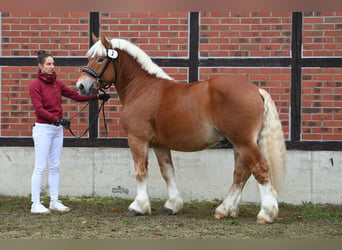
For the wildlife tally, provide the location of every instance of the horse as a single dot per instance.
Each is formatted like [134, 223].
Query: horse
[160, 113]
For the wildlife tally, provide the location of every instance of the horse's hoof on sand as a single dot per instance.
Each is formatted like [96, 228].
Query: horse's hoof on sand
[133, 213]
[218, 216]
[168, 211]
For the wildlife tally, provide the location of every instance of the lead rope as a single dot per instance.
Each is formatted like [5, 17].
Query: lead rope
[95, 119]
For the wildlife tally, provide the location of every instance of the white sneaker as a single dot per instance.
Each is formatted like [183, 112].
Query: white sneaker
[57, 206]
[38, 208]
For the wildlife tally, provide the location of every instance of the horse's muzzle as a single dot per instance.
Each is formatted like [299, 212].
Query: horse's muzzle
[81, 89]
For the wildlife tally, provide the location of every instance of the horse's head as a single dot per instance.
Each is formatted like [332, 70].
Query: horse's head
[97, 74]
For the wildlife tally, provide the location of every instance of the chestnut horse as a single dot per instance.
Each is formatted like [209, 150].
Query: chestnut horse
[163, 114]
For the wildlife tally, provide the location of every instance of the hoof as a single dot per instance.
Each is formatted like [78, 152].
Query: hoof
[168, 211]
[263, 221]
[133, 213]
[218, 216]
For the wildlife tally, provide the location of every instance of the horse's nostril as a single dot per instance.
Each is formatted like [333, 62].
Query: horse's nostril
[81, 87]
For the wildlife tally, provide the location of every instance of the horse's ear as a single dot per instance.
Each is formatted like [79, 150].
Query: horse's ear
[105, 42]
[94, 37]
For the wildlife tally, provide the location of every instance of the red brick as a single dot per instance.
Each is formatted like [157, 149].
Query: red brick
[311, 136]
[29, 20]
[159, 14]
[67, 21]
[332, 137]
[250, 21]
[60, 14]
[334, 33]
[83, 15]
[16, 27]
[249, 47]
[259, 53]
[322, 53]
[280, 77]
[260, 14]
[115, 15]
[80, 27]
[313, 20]
[234, 27]
[312, 33]
[239, 14]
[21, 14]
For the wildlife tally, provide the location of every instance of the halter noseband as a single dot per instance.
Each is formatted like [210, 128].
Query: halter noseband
[112, 55]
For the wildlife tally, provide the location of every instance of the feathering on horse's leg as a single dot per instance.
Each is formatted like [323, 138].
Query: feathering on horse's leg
[141, 204]
[175, 202]
[269, 204]
[230, 205]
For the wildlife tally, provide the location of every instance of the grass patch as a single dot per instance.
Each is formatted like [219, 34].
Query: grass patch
[106, 218]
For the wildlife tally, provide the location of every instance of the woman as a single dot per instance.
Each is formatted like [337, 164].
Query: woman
[46, 96]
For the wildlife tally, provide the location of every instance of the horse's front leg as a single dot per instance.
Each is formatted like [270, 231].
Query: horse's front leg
[175, 202]
[141, 204]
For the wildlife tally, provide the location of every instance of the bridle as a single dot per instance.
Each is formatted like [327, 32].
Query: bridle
[100, 85]
[112, 55]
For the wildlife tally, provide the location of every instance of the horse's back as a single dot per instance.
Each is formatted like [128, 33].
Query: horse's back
[233, 88]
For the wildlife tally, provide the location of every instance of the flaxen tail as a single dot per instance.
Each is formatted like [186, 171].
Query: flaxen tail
[272, 143]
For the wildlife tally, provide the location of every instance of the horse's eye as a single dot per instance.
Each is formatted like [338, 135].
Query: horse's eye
[100, 60]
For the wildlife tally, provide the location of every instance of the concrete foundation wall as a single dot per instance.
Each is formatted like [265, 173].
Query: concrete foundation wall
[206, 175]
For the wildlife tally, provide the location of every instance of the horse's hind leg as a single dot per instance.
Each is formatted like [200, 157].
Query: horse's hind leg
[259, 167]
[249, 160]
[141, 204]
[260, 170]
[230, 205]
[175, 202]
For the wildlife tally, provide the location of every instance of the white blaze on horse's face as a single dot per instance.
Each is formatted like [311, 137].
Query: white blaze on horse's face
[96, 55]
[85, 84]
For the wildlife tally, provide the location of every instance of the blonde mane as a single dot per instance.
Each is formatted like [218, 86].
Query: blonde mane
[138, 54]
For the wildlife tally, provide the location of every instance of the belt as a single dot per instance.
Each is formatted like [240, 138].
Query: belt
[54, 123]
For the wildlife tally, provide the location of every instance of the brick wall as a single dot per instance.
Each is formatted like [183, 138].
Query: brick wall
[322, 34]
[322, 87]
[62, 34]
[245, 34]
[322, 104]
[165, 34]
[161, 34]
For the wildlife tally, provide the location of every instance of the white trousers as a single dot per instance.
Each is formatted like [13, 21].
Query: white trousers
[48, 144]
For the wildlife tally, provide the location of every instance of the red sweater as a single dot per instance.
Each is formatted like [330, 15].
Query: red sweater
[47, 99]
